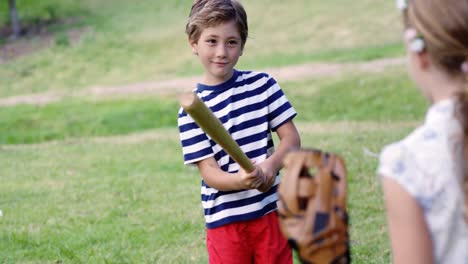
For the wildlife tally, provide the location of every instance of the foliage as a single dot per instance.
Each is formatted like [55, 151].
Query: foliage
[32, 11]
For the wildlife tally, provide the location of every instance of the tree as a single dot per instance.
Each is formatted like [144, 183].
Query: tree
[15, 23]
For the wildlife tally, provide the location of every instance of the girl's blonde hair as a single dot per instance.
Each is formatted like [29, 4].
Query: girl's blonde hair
[209, 13]
[443, 25]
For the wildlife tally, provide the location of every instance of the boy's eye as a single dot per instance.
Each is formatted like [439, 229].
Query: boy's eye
[232, 42]
[211, 41]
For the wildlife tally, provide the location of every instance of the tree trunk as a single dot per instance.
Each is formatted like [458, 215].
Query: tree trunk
[15, 23]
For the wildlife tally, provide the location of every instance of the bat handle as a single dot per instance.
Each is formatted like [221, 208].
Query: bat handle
[244, 162]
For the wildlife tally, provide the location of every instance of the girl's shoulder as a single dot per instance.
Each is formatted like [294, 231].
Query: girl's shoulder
[426, 160]
[435, 140]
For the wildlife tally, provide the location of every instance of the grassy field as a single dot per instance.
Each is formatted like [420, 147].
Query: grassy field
[110, 198]
[86, 180]
[124, 201]
[126, 41]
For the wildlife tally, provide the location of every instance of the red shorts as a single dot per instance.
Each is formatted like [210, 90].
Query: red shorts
[255, 241]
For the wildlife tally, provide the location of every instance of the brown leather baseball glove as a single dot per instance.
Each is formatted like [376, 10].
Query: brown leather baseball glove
[312, 206]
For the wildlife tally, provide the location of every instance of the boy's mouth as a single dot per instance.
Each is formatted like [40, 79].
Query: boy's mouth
[220, 63]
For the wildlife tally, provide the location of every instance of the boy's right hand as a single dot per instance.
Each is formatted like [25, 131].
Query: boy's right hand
[252, 180]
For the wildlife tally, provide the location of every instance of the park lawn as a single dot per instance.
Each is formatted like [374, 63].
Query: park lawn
[351, 96]
[99, 202]
[131, 200]
[102, 181]
[126, 41]
[123, 195]
[23, 124]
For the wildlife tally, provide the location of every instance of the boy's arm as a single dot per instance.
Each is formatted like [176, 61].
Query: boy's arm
[225, 181]
[289, 140]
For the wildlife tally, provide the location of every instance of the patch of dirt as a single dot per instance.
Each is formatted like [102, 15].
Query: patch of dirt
[312, 128]
[31, 99]
[37, 36]
[175, 86]
[17, 48]
[130, 139]
[289, 73]
[341, 127]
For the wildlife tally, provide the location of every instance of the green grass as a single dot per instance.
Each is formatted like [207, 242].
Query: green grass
[364, 53]
[390, 96]
[101, 202]
[31, 11]
[112, 188]
[383, 97]
[133, 41]
[131, 200]
[71, 119]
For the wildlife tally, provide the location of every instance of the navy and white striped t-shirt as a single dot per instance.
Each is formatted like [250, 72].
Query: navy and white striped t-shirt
[250, 105]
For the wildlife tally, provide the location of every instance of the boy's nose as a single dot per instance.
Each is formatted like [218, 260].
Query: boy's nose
[221, 51]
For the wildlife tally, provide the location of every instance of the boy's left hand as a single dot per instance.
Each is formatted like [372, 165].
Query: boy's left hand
[269, 177]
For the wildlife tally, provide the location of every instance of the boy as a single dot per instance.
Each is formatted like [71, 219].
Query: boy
[241, 221]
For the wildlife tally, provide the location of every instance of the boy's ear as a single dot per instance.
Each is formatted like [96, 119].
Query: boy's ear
[194, 46]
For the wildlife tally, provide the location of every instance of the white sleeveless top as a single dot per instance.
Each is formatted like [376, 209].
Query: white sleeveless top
[427, 164]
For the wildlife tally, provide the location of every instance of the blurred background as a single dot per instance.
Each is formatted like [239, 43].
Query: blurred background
[90, 164]
[69, 45]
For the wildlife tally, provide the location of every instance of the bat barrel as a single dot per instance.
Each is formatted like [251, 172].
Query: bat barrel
[209, 123]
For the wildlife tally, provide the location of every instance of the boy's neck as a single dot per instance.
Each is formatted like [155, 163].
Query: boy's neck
[210, 81]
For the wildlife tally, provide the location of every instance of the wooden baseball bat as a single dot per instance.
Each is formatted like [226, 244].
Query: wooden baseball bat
[209, 123]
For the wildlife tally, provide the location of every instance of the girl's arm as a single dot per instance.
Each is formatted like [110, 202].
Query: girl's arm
[289, 140]
[225, 181]
[410, 238]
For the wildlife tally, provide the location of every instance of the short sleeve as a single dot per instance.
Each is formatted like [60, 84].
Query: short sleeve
[279, 108]
[399, 165]
[195, 143]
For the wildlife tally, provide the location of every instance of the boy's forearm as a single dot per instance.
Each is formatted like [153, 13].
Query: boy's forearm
[274, 163]
[286, 144]
[289, 140]
[217, 178]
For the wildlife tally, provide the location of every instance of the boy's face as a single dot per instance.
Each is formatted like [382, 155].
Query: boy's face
[219, 49]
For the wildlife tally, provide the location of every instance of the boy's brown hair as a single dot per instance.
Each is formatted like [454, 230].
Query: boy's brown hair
[210, 13]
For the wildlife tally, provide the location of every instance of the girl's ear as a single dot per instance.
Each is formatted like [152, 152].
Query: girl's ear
[194, 46]
[422, 59]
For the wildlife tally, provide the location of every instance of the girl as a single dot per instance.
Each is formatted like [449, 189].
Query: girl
[424, 179]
